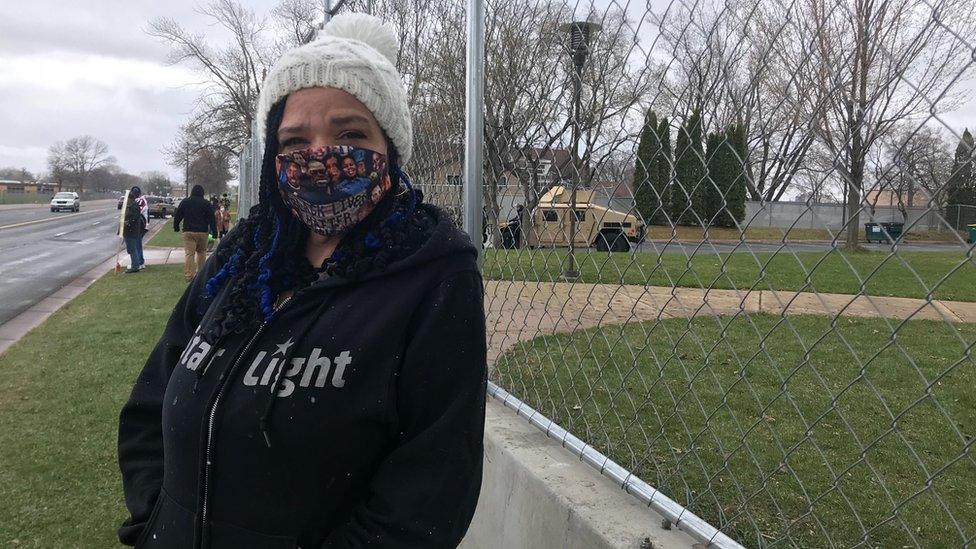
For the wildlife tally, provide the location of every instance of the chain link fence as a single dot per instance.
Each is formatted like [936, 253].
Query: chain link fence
[799, 383]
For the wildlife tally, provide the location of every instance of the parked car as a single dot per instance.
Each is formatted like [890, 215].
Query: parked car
[66, 201]
[160, 206]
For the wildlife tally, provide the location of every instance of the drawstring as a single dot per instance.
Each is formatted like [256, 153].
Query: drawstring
[265, 422]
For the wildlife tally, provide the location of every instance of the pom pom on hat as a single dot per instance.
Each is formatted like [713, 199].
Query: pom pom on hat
[367, 29]
[356, 53]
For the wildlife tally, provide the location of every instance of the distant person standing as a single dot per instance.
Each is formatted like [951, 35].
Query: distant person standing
[133, 229]
[223, 221]
[143, 207]
[198, 218]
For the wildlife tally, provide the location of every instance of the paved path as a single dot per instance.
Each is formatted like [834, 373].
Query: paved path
[521, 311]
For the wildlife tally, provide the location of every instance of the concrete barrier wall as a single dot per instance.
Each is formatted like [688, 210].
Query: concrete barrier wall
[538, 495]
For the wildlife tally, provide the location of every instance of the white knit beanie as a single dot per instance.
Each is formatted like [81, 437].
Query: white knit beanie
[356, 53]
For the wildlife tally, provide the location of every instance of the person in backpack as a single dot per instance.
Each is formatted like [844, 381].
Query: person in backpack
[133, 230]
[196, 216]
[321, 383]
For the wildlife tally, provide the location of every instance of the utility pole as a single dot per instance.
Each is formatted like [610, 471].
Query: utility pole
[186, 170]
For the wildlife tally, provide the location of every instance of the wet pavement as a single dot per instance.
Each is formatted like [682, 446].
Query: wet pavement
[41, 251]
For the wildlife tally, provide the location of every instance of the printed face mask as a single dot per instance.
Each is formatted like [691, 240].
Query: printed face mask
[331, 189]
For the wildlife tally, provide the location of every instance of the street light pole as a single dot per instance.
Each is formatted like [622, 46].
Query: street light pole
[579, 42]
[186, 170]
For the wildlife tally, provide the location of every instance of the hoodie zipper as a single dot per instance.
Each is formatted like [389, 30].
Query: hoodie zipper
[208, 455]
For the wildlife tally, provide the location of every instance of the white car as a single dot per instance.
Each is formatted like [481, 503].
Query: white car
[66, 201]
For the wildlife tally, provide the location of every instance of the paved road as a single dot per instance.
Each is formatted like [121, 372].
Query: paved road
[37, 259]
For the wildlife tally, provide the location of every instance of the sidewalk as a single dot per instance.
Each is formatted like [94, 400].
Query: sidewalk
[519, 311]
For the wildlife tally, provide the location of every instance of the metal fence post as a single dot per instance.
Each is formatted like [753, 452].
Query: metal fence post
[474, 124]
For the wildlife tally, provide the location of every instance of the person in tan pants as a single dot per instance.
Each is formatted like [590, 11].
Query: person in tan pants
[197, 216]
[195, 253]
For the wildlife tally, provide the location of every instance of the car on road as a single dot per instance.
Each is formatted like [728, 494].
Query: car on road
[66, 201]
[161, 206]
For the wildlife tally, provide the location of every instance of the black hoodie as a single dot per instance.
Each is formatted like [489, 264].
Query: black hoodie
[376, 434]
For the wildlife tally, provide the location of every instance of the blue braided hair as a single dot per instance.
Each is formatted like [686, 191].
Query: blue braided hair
[263, 284]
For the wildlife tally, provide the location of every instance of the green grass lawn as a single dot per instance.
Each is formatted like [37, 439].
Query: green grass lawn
[796, 234]
[166, 237]
[715, 414]
[833, 272]
[61, 390]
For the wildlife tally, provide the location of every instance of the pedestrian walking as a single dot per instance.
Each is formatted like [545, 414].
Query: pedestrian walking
[133, 229]
[322, 382]
[198, 220]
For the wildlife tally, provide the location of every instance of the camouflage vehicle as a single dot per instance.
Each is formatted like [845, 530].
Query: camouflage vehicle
[597, 226]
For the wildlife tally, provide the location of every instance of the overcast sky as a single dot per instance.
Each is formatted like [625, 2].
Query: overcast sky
[70, 68]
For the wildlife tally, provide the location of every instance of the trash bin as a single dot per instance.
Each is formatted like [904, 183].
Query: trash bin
[972, 234]
[872, 232]
[894, 230]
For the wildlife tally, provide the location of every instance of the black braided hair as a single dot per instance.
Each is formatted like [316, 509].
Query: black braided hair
[265, 255]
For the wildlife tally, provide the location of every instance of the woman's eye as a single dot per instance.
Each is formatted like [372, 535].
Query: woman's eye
[352, 135]
[293, 142]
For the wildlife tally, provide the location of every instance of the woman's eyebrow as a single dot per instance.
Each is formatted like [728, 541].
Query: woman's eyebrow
[346, 119]
[295, 128]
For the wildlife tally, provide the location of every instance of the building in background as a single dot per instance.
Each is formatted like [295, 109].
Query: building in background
[11, 186]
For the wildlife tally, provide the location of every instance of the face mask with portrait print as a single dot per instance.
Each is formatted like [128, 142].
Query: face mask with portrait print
[331, 189]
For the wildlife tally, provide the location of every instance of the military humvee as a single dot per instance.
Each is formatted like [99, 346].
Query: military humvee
[605, 229]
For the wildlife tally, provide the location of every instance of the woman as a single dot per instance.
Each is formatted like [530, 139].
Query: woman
[222, 218]
[133, 229]
[323, 384]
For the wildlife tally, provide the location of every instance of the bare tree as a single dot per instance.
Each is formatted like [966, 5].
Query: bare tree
[57, 164]
[910, 162]
[211, 169]
[156, 183]
[878, 63]
[19, 174]
[75, 159]
[232, 73]
[740, 64]
[297, 22]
